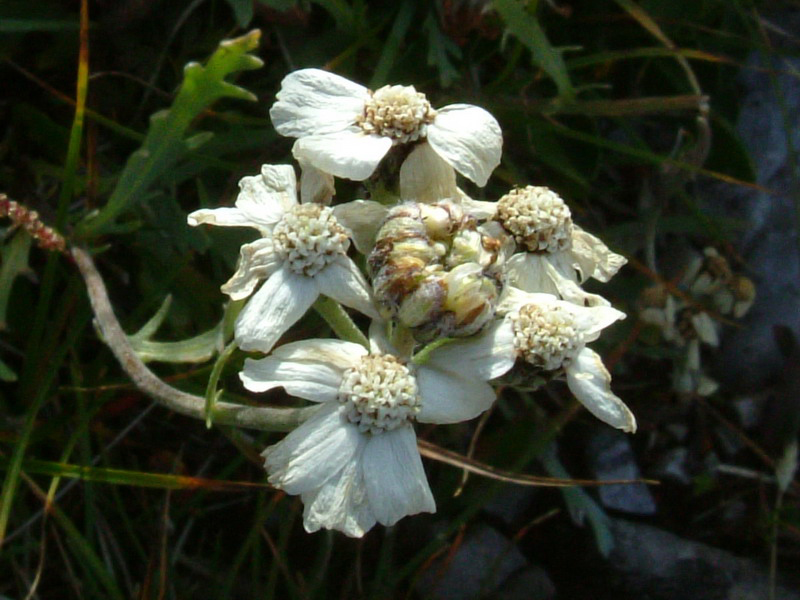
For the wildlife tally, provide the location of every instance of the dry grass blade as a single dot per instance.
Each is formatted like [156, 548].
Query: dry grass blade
[454, 459]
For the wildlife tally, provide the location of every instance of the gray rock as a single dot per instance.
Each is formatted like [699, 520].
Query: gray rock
[769, 243]
[662, 566]
[511, 503]
[483, 562]
[532, 583]
[748, 409]
[672, 466]
[610, 456]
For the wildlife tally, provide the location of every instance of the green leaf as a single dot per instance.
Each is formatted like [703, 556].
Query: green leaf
[163, 481]
[281, 5]
[166, 141]
[243, 11]
[197, 349]
[581, 506]
[15, 262]
[525, 26]
[440, 48]
[6, 374]
[28, 25]
[392, 45]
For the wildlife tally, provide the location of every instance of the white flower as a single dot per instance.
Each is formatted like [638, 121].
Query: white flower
[557, 255]
[355, 461]
[301, 254]
[552, 334]
[346, 129]
[687, 327]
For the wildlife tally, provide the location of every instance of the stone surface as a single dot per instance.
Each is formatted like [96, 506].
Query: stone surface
[769, 244]
[511, 503]
[481, 565]
[610, 456]
[532, 583]
[658, 565]
[672, 466]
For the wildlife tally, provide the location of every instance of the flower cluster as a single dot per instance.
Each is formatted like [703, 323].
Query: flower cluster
[459, 292]
[710, 289]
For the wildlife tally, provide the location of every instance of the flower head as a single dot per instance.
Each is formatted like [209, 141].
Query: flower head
[552, 334]
[301, 254]
[556, 255]
[346, 129]
[355, 461]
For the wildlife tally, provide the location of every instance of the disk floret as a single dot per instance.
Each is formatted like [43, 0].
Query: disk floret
[398, 112]
[546, 337]
[537, 217]
[379, 394]
[309, 238]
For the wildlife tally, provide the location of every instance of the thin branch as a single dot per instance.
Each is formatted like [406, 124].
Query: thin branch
[225, 413]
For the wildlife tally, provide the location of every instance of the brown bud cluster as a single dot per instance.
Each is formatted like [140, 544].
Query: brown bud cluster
[435, 270]
[46, 237]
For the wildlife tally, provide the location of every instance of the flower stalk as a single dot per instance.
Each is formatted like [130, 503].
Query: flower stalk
[225, 413]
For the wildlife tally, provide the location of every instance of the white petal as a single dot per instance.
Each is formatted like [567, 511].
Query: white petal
[313, 453]
[484, 356]
[312, 101]
[363, 218]
[308, 369]
[314, 381]
[344, 282]
[281, 301]
[266, 197]
[480, 209]
[550, 274]
[514, 298]
[706, 328]
[315, 185]
[395, 479]
[350, 154]
[341, 503]
[450, 398]
[593, 258]
[589, 380]
[425, 177]
[337, 353]
[469, 139]
[529, 273]
[225, 216]
[591, 320]
[257, 261]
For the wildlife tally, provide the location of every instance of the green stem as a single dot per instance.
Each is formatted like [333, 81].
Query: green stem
[340, 321]
[212, 394]
[424, 355]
